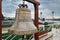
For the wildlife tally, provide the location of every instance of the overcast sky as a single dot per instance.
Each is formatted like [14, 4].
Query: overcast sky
[46, 7]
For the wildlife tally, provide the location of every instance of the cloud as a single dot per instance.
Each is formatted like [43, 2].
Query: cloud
[51, 5]
[9, 14]
[46, 6]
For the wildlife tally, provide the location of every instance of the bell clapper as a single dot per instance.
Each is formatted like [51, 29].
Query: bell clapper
[24, 37]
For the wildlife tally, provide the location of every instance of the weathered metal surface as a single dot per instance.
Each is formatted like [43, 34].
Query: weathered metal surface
[23, 24]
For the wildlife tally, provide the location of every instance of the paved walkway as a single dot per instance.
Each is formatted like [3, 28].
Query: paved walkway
[56, 34]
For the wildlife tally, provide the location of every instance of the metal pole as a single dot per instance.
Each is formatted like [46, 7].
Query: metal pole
[53, 18]
[40, 15]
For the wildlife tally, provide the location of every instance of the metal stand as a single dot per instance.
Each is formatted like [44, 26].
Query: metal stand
[24, 37]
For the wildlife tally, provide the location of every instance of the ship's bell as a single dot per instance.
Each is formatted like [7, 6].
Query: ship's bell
[23, 24]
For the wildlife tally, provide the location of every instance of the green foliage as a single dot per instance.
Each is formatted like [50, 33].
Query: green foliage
[40, 29]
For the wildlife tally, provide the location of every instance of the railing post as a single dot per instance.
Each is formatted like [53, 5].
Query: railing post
[36, 16]
[36, 20]
[0, 19]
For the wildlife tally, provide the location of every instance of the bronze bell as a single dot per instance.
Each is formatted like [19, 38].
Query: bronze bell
[23, 24]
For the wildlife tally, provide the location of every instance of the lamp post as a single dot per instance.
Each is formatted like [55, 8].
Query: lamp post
[43, 23]
[41, 15]
[53, 17]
